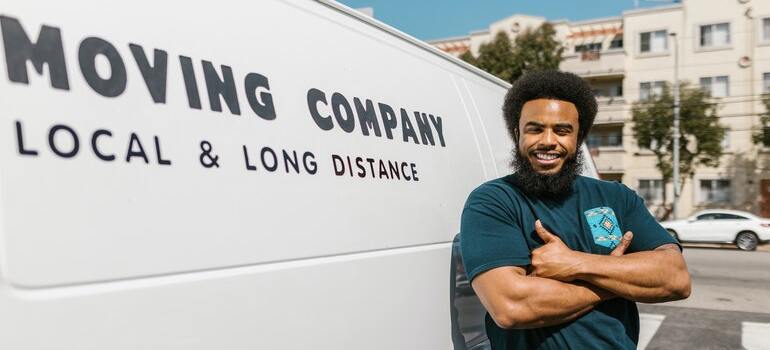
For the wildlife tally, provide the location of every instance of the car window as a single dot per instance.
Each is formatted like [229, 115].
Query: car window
[706, 217]
[730, 217]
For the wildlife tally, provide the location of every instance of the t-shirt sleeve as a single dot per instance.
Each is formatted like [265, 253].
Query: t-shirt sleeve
[490, 236]
[648, 234]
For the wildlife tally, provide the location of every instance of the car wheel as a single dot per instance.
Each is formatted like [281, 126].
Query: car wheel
[746, 241]
[673, 234]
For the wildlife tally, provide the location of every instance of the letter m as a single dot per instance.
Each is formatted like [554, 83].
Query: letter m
[47, 49]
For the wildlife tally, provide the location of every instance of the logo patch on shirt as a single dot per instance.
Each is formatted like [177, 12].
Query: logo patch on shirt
[604, 226]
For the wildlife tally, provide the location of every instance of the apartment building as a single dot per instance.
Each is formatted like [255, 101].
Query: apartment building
[722, 45]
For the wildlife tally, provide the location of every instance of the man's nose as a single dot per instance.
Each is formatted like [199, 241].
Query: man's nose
[548, 138]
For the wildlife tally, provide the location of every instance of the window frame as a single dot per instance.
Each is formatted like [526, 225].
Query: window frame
[699, 36]
[655, 201]
[649, 52]
[711, 85]
[698, 193]
[762, 38]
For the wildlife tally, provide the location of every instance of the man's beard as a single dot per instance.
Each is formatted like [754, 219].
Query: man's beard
[555, 186]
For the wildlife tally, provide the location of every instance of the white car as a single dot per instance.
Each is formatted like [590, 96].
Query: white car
[744, 229]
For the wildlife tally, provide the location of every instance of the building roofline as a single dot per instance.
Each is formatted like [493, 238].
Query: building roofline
[652, 9]
[596, 20]
[451, 38]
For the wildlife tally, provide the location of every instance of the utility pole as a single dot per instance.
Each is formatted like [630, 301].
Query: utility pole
[676, 126]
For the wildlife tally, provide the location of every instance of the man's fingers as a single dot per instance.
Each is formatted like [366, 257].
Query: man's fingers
[623, 245]
[543, 233]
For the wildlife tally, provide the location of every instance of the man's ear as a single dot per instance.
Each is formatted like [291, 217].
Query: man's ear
[516, 136]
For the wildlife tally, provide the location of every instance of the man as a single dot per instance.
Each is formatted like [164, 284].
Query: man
[543, 247]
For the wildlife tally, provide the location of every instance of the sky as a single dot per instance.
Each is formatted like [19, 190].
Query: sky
[436, 19]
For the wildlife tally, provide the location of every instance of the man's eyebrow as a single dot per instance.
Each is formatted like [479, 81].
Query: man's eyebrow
[557, 125]
[531, 123]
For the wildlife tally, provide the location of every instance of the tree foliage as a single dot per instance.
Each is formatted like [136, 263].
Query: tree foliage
[701, 134]
[535, 49]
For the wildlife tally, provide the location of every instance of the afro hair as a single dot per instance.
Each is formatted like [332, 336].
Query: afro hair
[550, 84]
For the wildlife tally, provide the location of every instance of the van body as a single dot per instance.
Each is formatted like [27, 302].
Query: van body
[274, 174]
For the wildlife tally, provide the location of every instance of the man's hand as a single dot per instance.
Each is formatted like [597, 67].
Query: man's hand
[555, 260]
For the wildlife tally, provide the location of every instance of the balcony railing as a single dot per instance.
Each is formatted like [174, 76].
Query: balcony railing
[590, 56]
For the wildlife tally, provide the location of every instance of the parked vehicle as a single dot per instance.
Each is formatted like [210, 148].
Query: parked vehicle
[744, 229]
[273, 174]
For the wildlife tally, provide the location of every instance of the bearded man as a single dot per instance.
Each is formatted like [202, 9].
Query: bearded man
[544, 248]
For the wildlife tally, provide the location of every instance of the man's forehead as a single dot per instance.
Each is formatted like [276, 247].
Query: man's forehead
[550, 109]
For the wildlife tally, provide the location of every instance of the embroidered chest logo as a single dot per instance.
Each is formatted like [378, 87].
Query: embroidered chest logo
[604, 226]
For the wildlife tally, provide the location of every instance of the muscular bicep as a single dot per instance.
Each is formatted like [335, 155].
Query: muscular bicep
[496, 288]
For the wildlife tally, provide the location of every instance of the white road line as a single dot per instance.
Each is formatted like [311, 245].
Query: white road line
[648, 326]
[755, 336]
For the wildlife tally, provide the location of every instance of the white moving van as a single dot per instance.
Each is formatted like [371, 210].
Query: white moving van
[271, 174]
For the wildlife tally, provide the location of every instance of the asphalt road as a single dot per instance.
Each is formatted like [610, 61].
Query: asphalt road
[729, 307]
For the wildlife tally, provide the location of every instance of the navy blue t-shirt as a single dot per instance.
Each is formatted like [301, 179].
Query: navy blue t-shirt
[498, 229]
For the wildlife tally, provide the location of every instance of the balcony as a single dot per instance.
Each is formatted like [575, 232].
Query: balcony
[612, 110]
[588, 64]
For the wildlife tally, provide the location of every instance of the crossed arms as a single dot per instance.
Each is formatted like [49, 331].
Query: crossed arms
[563, 284]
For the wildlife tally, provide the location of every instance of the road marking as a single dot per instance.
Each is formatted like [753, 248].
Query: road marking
[648, 326]
[755, 336]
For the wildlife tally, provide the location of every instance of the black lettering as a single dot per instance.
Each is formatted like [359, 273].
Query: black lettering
[426, 134]
[134, 141]
[367, 117]
[338, 171]
[95, 145]
[290, 160]
[261, 104]
[246, 159]
[414, 172]
[161, 161]
[75, 142]
[403, 171]
[407, 129]
[371, 165]
[339, 102]
[47, 49]
[439, 126]
[313, 97]
[360, 165]
[389, 121]
[224, 87]
[383, 170]
[20, 142]
[154, 75]
[269, 150]
[394, 173]
[310, 166]
[190, 83]
[350, 166]
[110, 87]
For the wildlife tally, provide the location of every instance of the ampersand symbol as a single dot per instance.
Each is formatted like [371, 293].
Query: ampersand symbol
[207, 159]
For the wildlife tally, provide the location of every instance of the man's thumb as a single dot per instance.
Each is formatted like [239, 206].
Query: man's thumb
[623, 245]
[543, 233]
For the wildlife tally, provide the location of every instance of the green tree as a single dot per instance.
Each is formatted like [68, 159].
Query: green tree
[535, 49]
[701, 138]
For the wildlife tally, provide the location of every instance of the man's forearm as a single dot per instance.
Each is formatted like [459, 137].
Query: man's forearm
[650, 276]
[532, 302]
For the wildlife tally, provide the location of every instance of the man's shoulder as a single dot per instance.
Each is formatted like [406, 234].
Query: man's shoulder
[500, 189]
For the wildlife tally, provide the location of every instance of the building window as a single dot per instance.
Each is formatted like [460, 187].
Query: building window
[716, 86]
[652, 42]
[605, 137]
[715, 35]
[651, 190]
[725, 144]
[617, 42]
[588, 47]
[714, 191]
[649, 90]
[766, 29]
[766, 83]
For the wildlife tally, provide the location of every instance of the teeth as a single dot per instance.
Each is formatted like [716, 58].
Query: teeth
[546, 156]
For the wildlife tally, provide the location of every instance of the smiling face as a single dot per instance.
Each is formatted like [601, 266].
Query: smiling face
[548, 134]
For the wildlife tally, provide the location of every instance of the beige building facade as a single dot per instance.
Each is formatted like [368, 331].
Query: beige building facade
[722, 45]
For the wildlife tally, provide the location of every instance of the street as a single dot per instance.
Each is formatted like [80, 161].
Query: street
[729, 307]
